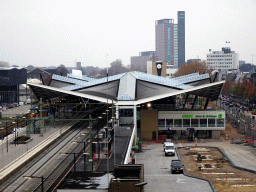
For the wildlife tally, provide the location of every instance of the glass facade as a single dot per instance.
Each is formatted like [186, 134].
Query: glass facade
[176, 46]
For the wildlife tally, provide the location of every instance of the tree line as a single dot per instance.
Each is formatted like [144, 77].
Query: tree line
[245, 89]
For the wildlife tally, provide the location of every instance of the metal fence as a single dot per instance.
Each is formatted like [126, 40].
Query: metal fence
[243, 122]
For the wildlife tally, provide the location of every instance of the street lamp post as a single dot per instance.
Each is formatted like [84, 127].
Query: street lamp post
[6, 136]
[30, 177]
[15, 134]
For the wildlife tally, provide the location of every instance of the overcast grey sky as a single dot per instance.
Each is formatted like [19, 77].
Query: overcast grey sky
[53, 32]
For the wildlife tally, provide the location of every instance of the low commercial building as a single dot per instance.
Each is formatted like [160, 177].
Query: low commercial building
[223, 60]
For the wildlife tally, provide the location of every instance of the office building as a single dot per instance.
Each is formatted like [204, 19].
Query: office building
[223, 60]
[170, 40]
[181, 38]
[165, 40]
[139, 63]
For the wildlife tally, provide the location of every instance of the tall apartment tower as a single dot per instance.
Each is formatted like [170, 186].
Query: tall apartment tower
[170, 40]
[181, 38]
[165, 40]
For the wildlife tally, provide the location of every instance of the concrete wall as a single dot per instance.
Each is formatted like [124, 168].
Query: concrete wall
[215, 134]
[149, 123]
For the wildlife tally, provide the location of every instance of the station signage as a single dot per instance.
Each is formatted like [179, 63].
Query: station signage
[202, 116]
[206, 116]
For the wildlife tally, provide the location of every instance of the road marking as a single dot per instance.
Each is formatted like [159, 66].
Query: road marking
[180, 145]
[180, 180]
[155, 175]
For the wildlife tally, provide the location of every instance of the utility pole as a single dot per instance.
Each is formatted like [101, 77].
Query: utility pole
[91, 158]
[41, 117]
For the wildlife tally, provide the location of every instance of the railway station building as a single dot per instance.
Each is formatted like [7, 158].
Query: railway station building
[158, 107]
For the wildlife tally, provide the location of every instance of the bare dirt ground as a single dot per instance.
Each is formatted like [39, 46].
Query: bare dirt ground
[223, 176]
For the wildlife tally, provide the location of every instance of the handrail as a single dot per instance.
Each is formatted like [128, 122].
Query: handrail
[127, 157]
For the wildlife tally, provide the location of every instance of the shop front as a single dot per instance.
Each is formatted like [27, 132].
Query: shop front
[190, 124]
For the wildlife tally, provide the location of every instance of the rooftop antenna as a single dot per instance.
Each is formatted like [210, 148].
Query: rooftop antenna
[227, 42]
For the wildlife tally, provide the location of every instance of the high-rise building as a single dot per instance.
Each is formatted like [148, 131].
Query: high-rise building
[170, 40]
[165, 40]
[223, 60]
[170, 45]
[181, 38]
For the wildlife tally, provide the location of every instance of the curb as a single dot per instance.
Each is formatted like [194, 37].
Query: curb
[185, 173]
[233, 164]
[225, 155]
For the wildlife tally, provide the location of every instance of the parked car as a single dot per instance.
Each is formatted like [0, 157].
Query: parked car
[176, 166]
[231, 105]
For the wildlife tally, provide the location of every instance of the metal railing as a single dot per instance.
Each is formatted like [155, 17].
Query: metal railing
[129, 148]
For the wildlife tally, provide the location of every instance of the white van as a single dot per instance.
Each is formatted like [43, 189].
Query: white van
[169, 149]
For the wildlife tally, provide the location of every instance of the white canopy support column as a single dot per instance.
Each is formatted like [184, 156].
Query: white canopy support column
[117, 115]
[135, 121]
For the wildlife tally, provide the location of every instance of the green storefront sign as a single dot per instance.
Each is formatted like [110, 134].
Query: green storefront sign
[206, 116]
[187, 116]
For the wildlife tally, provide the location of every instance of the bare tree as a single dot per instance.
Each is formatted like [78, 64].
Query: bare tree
[196, 66]
[117, 67]
[62, 70]
[30, 67]
[4, 64]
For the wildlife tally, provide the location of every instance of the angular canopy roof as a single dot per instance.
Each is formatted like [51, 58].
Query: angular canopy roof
[130, 88]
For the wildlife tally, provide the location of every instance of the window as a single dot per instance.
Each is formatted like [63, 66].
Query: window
[161, 122]
[220, 122]
[211, 122]
[169, 122]
[186, 122]
[203, 122]
[177, 123]
[194, 122]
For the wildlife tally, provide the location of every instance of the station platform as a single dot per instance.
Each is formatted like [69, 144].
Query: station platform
[20, 154]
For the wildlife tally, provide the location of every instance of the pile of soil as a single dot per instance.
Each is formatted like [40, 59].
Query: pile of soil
[231, 132]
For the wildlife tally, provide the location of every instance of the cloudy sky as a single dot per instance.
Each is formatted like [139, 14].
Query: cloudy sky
[53, 32]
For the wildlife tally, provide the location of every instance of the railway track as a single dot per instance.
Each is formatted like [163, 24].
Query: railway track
[49, 164]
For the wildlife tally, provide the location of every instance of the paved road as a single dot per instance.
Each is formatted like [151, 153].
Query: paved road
[158, 175]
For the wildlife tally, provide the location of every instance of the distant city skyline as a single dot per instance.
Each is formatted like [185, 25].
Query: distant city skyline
[50, 33]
